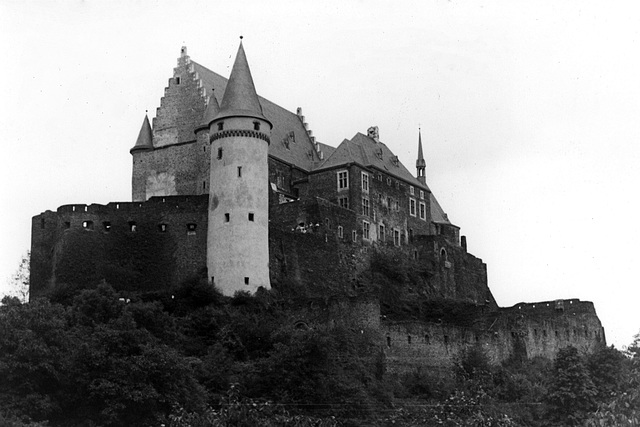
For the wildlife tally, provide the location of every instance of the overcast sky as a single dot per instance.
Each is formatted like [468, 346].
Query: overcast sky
[530, 115]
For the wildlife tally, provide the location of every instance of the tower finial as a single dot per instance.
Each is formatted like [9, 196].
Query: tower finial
[241, 39]
[420, 163]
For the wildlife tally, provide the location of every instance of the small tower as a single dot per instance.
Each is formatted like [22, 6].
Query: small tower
[238, 229]
[144, 144]
[420, 163]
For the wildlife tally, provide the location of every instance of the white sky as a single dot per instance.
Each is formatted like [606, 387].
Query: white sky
[529, 113]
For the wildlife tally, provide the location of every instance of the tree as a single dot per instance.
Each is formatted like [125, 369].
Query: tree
[19, 282]
[571, 393]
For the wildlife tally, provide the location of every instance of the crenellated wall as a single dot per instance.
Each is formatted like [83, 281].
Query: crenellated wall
[134, 246]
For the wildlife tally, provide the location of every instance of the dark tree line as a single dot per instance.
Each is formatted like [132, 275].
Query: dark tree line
[191, 357]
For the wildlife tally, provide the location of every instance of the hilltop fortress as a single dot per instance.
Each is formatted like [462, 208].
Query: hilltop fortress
[230, 188]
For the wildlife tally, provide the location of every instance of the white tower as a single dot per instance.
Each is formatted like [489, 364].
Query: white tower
[238, 229]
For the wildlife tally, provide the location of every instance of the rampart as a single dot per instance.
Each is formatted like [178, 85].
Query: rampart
[133, 246]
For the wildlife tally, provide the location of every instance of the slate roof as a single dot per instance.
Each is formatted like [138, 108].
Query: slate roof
[366, 151]
[145, 137]
[240, 97]
[300, 153]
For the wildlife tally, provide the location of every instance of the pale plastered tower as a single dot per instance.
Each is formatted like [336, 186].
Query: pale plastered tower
[238, 229]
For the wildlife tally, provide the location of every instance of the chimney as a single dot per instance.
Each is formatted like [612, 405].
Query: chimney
[373, 133]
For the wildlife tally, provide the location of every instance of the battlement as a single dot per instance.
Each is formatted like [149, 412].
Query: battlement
[560, 306]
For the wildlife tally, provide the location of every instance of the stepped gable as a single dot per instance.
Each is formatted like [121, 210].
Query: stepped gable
[287, 126]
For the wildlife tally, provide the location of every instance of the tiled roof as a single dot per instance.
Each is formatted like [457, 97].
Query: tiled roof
[288, 130]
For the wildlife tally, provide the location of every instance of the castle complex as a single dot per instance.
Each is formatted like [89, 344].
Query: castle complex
[230, 188]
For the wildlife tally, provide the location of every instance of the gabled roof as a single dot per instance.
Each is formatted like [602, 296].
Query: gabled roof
[365, 151]
[288, 129]
[369, 153]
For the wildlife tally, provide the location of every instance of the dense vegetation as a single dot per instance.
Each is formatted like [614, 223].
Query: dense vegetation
[192, 357]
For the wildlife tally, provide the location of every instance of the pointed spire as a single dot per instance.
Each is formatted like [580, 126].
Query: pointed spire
[240, 97]
[210, 113]
[420, 163]
[145, 137]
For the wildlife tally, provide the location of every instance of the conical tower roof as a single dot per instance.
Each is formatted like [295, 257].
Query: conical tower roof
[210, 113]
[240, 97]
[145, 137]
[420, 163]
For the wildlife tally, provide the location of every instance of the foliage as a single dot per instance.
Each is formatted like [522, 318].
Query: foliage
[623, 408]
[571, 393]
[19, 282]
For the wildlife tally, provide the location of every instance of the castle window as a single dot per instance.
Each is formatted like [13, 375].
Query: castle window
[415, 254]
[544, 333]
[408, 339]
[446, 339]
[397, 205]
[344, 202]
[411, 190]
[239, 171]
[389, 181]
[327, 223]
[388, 341]
[204, 148]
[411, 235]
[389, 202]
[365, 206]
[381, 233]
[132, 226]
[191, 229]
[106, 226]
[396, 237]
[365, 230]
[220, 126]
[421, 194]
[41, 222]
[353, 235]
[423, 211]
[412, 207]
[397, 185]
[87, 225]
[443, 256]
[365, 182]
[340, 232]
[204, 185]
[426, 339]
[162, 228]
[67, 224]
[251, 217]
[256, 125]
[177, 80]
[226, 217]
[343, 180]
[219, 153]
[246, 281]
[380, 177]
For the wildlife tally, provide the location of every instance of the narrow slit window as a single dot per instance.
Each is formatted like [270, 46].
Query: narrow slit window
[177, 80]
[246, 280]
[256, 125]
[226, 217]
[219, 153]
[162, 228]
[41, 222]
[220, 125]
[106, 226]
[251, 216]
[132, 226]
[239, 171]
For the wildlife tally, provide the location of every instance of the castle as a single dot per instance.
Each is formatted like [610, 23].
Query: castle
[231, 188]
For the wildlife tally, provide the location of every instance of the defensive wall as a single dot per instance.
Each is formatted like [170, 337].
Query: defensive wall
[522, 331]
[133, 246]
